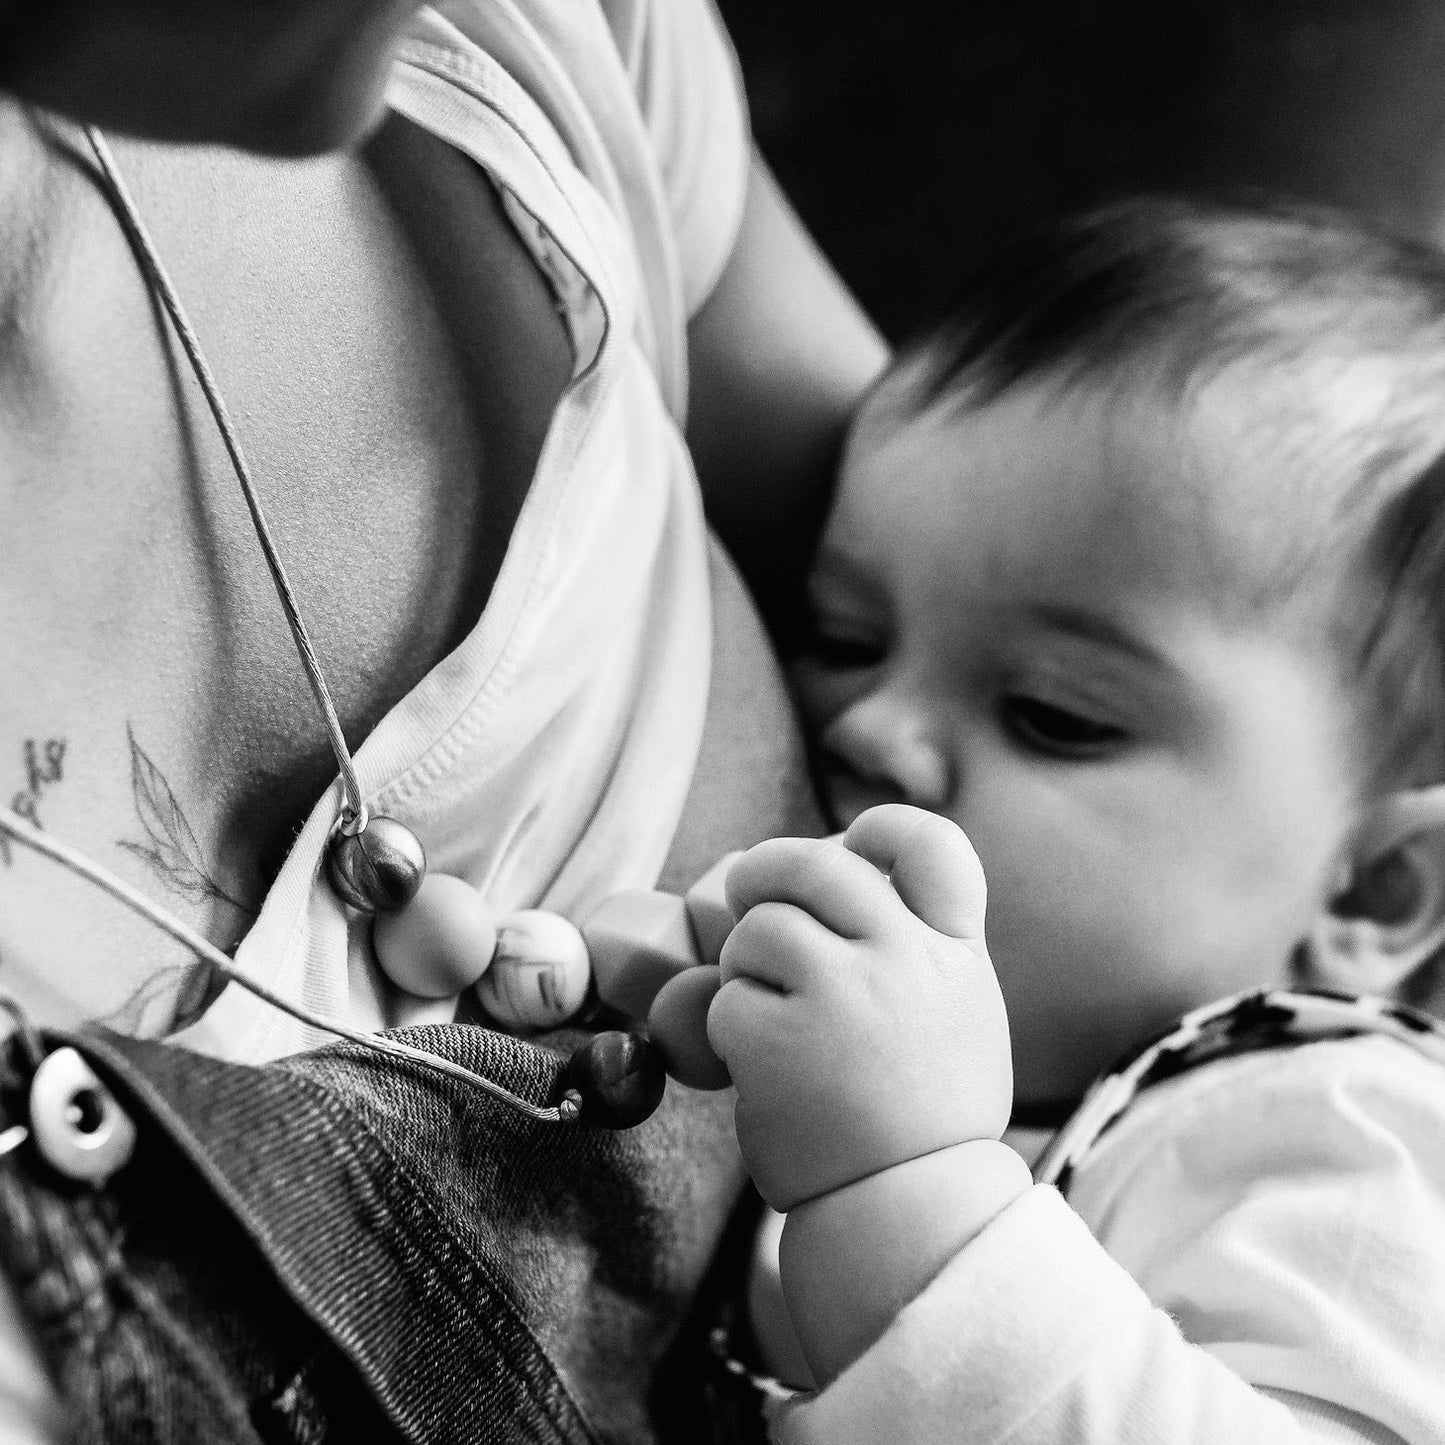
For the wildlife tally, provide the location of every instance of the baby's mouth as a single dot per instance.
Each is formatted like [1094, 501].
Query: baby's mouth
[842, 809]
[845, 794]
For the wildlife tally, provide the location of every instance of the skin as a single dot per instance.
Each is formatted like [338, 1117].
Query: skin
[836, 943]
[886, 1160]
[432, 431]
[1039, 619]
[283, 76]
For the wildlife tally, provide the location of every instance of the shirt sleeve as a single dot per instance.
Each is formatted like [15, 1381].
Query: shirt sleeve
[1033, 1336]
[689, 90]
[1284, 1238]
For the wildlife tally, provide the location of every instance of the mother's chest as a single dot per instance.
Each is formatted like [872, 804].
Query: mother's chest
[391, 358]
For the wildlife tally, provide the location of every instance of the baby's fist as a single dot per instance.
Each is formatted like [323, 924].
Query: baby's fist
[859, 1015]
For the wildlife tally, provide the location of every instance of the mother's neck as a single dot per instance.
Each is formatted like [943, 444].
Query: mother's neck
[41, 185]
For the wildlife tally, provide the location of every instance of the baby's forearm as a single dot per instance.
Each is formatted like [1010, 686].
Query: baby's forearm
[852, 1258]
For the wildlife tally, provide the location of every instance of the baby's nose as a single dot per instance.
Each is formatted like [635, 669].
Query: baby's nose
[873, 754]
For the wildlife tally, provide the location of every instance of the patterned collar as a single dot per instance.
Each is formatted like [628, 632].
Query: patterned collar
[1240, 1024]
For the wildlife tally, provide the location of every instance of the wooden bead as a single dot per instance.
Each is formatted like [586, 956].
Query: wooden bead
[707, 908]
[377, 870]
[638, 941]
[441, 943]
[541, 974]
[620, 1078]
[677, 1024]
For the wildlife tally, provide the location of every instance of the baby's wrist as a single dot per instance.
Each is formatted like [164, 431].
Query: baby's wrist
[855, 1256]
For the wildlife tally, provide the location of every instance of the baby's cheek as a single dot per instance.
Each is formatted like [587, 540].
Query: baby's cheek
[1075, 984]
[821, 694]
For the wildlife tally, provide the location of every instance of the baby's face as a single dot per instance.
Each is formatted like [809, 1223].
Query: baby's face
[1030, 617]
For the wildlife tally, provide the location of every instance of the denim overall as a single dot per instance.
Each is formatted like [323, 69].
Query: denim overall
[342, 1247]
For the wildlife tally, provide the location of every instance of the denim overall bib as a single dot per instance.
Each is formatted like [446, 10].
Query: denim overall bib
[342, 1247]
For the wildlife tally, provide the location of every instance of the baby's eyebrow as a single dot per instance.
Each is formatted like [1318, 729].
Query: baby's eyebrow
[1092, 627]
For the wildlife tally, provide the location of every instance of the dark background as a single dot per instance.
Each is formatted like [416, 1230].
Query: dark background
[916, 135]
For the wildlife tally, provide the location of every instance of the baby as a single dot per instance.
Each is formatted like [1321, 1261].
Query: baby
[1136, 577]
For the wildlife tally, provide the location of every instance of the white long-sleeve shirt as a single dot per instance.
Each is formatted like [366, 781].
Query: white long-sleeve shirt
[1254, 1252]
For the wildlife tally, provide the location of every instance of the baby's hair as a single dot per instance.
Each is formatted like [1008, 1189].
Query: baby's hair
[1340, 324]
[1186, 289]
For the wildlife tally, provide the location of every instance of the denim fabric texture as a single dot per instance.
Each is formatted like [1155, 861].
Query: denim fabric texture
[341, 1246]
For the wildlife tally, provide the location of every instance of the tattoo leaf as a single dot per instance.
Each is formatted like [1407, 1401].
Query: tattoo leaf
[166, 1001]
[172, 849]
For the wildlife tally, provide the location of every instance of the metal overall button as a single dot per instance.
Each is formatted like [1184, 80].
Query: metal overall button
[75, 1121]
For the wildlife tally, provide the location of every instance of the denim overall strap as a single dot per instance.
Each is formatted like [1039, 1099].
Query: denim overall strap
[474, 1275]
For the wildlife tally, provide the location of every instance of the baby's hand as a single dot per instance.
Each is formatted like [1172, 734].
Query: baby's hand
[859, 1015]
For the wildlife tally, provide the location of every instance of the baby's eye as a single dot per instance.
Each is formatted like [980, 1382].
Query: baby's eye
[1060, 732]
[841, 649]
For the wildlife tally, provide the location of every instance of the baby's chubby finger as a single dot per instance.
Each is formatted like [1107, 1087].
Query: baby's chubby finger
[677, 1024]
[930, 863]
[747, 1024]
[778, 944]
[819, 875]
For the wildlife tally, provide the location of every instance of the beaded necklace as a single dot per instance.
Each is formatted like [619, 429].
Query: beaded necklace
[434, 934]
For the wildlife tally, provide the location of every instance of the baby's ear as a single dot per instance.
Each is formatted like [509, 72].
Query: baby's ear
[1386, 920]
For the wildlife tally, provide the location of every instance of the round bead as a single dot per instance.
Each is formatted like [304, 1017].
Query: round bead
[620, 1078]
[677, 1024]
[77, 1124]
[377, 870]
[441, 942]
[540, 975]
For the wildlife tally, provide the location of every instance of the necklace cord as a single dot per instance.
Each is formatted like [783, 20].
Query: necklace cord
[354, 817]
[27, 835]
